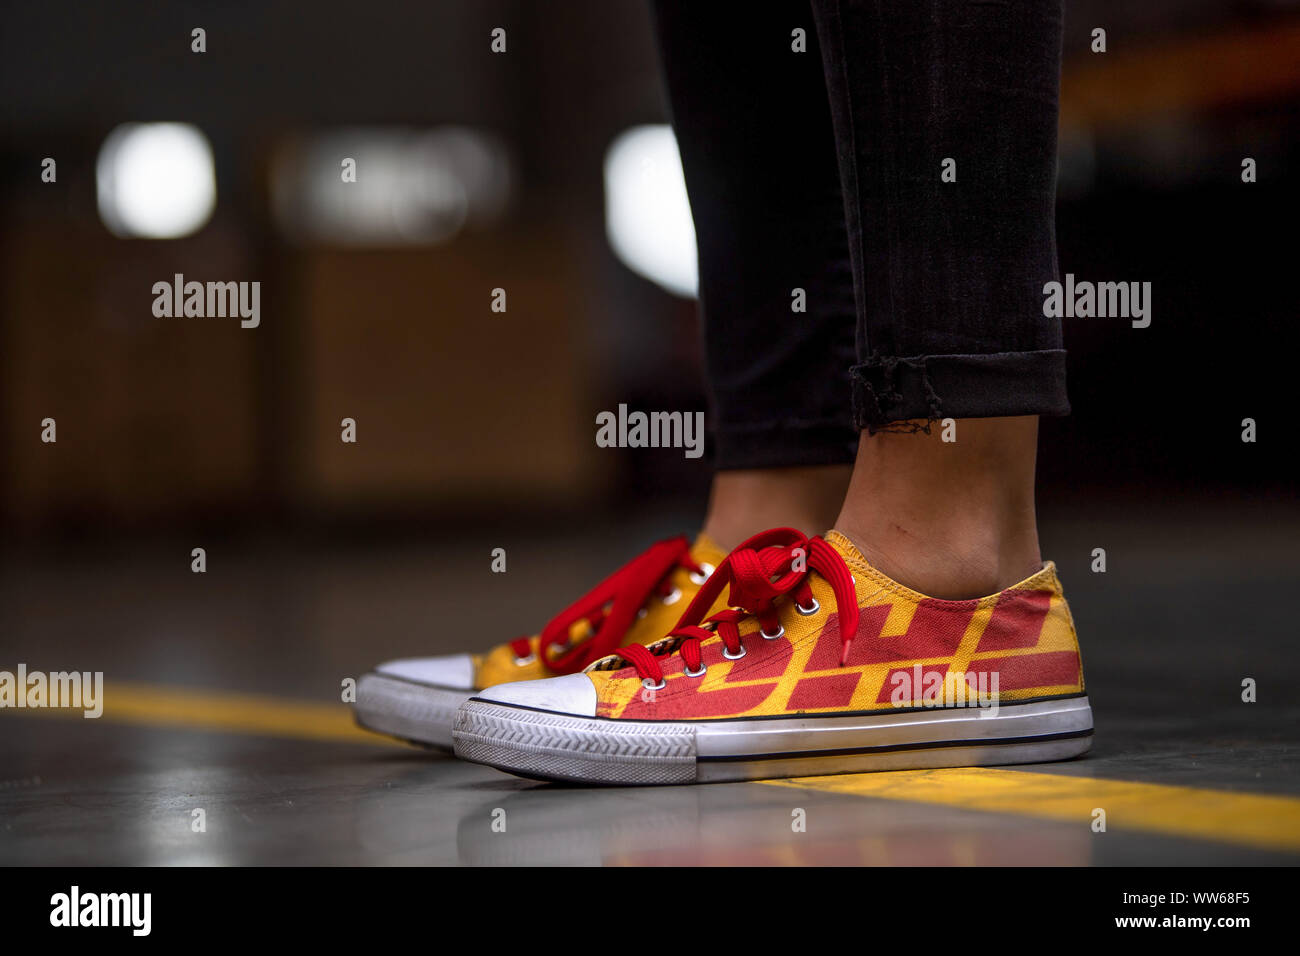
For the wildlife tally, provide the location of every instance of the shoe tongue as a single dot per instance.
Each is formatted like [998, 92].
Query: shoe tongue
[706, 551]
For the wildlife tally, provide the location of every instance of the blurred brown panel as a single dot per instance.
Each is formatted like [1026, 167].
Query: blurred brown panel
[1181, 75]
[155, 417]
[453, 402]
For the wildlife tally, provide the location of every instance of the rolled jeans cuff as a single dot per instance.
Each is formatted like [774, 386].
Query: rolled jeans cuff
[888, 390]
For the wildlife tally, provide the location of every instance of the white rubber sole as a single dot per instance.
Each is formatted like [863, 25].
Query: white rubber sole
[553, 746]
[417, 713]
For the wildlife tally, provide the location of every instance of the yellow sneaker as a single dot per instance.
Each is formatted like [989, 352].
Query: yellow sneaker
[820, 664]
[416, 698]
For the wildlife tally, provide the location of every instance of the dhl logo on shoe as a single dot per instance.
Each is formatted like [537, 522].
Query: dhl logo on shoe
[816, 663]
[907, 650]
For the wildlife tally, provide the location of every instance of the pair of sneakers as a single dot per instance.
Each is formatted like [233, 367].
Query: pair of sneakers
[790, 656]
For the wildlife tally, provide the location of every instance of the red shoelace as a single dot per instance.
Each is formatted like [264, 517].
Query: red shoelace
[761, 570]
[610, 608]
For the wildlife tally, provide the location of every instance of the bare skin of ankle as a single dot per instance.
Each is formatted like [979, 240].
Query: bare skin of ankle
[743, 503]
[952, 520]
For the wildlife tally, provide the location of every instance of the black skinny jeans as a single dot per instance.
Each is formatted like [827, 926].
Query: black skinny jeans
[822, 171]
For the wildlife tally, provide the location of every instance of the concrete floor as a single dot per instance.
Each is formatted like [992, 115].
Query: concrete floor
[223, 689]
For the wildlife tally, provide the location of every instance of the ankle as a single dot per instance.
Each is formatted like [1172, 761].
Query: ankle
[951, 520]
[953, 565]
[743, 503]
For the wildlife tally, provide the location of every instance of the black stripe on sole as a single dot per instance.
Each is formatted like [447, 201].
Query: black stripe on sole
[895, 748]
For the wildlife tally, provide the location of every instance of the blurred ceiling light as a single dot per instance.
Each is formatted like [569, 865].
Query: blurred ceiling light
[411, 187]
[647, 215]
[155, 180]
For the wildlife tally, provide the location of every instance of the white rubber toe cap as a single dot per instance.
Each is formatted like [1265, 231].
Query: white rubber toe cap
[570, 694]
[451, 670]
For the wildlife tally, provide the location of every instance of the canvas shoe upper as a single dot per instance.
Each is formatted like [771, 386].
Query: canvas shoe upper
[416, 698]
[819, 663]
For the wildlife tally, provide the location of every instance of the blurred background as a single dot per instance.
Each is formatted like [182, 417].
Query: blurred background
[481, 171]
[546, 171]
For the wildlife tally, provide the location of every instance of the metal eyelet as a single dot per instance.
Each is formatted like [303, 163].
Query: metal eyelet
[733, 657]
[649, 685]
[525, 661]
[699, 673]
[673, 597]
[805, 611]
[641, 613]
[702, 575]
[780, 632]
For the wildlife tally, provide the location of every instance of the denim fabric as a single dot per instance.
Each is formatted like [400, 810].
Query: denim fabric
[821, 171]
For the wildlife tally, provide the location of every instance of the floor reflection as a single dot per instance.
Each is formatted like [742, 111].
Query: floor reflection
[747, 825]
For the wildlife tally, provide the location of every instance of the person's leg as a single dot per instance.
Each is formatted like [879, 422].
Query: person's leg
[744, 501]
[949, 520]
[945, 117]
[754, 130]
[950, 327]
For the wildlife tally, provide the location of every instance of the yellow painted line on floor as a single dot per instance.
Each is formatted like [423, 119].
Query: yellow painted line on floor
[163, 706]
[1261, 820]
[1270, 822]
